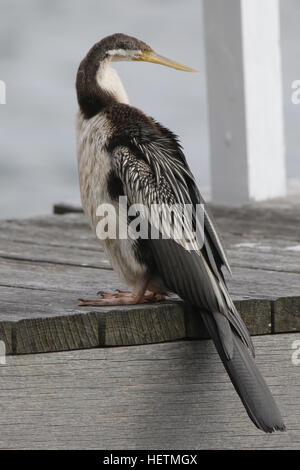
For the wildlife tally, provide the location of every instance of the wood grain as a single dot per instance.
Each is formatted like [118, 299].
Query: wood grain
[164, 396]
[47, 263]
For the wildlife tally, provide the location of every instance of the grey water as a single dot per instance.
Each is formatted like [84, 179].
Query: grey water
[41, 45]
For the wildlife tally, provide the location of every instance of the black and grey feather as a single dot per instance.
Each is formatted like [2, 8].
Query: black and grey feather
[121, 151]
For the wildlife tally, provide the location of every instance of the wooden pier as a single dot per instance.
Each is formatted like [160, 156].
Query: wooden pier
[140, 377]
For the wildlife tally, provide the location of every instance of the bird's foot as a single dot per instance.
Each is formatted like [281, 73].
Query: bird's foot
[121, 298]
[119, 293]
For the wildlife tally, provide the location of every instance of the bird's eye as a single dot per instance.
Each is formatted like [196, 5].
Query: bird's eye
[145, 48]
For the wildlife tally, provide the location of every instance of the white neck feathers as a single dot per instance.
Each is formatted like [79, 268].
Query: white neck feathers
[109, 80]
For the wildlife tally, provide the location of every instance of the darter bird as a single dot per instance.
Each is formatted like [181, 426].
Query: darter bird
[124, 152]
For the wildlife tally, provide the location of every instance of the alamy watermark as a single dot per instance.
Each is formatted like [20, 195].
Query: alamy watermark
[2, 92]
[296, 352]
[2, 353]
[183, 223]
[295, 97]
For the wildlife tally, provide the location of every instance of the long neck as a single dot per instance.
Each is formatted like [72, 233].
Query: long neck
[97, 84]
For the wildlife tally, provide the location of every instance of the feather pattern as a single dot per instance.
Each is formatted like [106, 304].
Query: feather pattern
[157, 173]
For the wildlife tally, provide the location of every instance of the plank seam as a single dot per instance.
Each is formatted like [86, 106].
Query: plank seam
[31, 260]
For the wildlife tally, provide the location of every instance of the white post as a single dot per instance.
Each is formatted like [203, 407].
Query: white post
[242, 43]
[2, 92]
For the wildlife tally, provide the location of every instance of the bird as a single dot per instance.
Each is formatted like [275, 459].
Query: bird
[124, 153]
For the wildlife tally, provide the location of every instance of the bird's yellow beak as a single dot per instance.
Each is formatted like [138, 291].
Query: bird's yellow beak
[151, 56]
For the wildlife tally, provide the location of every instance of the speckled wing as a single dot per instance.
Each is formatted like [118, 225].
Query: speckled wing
[195, 275]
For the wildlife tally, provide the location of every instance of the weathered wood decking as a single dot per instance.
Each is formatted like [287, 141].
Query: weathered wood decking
[164, 396]
[47, 263]
[170, 395]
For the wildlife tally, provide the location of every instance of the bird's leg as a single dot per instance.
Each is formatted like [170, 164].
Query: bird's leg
[139, 295]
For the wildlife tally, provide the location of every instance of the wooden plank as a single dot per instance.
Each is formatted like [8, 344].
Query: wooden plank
[244, 284]
[257, 314]
[58, 333]
[245, 223]
[263, 284]
[83, 281]
[46, 263]
[144, 325]
[164, 396]
[271, 254]
[70, 230]
[44, 322]
[37, 283]
[252, 236]
[287, 314]
[259, 220]
[261, 236]
[66, 208]
[72, 256]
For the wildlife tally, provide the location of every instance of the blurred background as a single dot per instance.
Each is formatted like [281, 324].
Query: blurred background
[41, 45]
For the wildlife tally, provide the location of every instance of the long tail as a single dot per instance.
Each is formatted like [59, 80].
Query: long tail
[247, 380]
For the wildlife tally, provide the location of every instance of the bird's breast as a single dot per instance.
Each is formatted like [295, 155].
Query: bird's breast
[94, 164]
[98, 186]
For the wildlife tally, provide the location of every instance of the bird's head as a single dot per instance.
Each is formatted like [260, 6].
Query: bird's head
[119, 47]
[98, 84]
